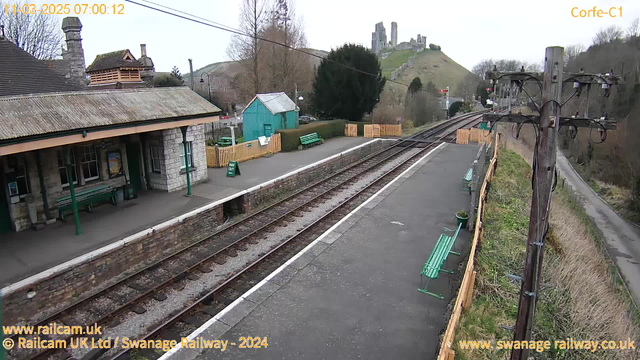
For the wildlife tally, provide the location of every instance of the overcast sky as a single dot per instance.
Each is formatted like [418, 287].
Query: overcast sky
[468, 31]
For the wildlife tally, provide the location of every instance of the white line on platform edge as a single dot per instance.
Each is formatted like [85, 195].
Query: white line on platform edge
[257, 286]
[134, 237]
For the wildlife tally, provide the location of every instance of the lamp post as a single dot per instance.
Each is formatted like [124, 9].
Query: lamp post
[208, 83]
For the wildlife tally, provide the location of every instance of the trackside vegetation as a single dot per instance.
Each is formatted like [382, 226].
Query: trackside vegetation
[582, 297]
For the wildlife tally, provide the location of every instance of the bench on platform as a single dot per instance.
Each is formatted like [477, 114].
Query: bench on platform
[310, 139]
[433, 266]
[466, 180]
[85, 199]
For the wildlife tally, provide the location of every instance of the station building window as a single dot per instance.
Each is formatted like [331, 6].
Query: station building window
[156, 158]
[64, 180]
[189, 155]
[20, 178]
[89, 162]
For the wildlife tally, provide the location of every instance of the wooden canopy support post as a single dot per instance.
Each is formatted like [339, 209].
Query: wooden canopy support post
[186, 156]
[72, 193]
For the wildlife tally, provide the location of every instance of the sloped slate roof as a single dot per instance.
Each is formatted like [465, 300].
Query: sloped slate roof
[113, 60]
[23, 116]
[276, 102]
[21, 73]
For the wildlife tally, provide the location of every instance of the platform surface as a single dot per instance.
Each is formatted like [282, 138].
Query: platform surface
[354, 293]
[29, 252]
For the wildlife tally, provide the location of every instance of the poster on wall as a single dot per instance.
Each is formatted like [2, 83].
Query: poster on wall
[114, 160]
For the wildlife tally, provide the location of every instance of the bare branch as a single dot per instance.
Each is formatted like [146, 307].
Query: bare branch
[39, 35]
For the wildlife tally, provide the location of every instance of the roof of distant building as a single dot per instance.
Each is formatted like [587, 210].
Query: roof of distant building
[32, 115]
[275, 102]
[21, 73]
[114, 60]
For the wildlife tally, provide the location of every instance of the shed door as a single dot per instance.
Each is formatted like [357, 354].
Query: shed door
[268, 130]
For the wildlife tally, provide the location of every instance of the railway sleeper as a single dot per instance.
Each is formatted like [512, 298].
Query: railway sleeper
[138, 309]
[160, 296]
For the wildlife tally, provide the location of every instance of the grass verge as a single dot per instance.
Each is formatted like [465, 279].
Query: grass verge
[616, 196]
[584, 299]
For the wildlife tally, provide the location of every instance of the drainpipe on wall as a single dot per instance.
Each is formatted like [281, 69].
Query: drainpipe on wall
[186, 157]
[74, 204]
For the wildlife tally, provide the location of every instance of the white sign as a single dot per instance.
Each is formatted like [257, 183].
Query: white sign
[263, 140]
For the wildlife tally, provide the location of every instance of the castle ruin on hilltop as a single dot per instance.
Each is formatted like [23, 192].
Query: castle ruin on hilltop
[379, 41]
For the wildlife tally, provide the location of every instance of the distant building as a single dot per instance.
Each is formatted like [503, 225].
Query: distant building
[379, 39]
[115, 139]
[118, 69]
[267, 113]
[394, 34]
[114, 70]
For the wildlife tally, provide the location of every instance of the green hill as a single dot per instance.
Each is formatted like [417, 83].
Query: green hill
[429, 65]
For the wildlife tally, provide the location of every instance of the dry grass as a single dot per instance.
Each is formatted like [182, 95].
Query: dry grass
[585, 300]
[598, 307]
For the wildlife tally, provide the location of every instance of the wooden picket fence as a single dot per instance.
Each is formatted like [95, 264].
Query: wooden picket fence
[351, 130]
[480, 136]
[372, 131]
[462, 136]
[465, 293]
[377, 130]
[242, 152]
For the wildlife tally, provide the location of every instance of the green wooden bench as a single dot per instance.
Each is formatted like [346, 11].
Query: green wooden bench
[466, 180]
[225, 141]
[310, 139]
[433, 266]
[85, 199]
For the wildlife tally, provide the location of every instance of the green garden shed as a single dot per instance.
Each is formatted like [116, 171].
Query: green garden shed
[267, 113]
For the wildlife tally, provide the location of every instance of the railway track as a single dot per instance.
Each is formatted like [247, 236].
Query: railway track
[150, 283]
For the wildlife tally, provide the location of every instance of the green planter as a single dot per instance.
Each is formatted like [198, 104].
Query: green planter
[462, 220]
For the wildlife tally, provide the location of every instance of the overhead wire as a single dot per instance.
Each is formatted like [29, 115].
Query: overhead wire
[200, 20]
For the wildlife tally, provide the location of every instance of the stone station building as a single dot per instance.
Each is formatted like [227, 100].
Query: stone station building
[115, 138]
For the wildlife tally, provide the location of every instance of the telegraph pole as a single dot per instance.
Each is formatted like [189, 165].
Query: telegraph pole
[543, 179]
[547, 125]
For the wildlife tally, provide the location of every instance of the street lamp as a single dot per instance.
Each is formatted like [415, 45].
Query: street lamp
[208, 83]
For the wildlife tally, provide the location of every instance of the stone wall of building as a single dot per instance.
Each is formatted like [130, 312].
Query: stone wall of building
[51, 176]
[175, 174]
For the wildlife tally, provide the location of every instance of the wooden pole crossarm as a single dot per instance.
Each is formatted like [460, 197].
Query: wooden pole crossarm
[583, 78]
[569, 121]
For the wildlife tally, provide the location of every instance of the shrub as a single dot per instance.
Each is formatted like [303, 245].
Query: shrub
[326, 129]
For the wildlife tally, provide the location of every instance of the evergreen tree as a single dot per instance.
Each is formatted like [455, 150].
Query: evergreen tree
[416, 85]
[340, 92]
[432, 89]
[173, 79]
[175, 72]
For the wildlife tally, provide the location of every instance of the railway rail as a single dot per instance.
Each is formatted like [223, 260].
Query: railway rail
[104, 307]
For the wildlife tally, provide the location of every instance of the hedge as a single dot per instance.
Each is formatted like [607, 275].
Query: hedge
[326, 129]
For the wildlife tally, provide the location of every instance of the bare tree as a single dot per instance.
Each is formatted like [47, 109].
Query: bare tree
[535, 67]
[39, 35]
[634, 28]
[285, 67]
[481, 68]
[246, 50]
[611, 34]
[467, 86]
[571, 52]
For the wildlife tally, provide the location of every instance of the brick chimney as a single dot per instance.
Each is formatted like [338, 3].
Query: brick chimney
[74, 55]
[148, 72]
